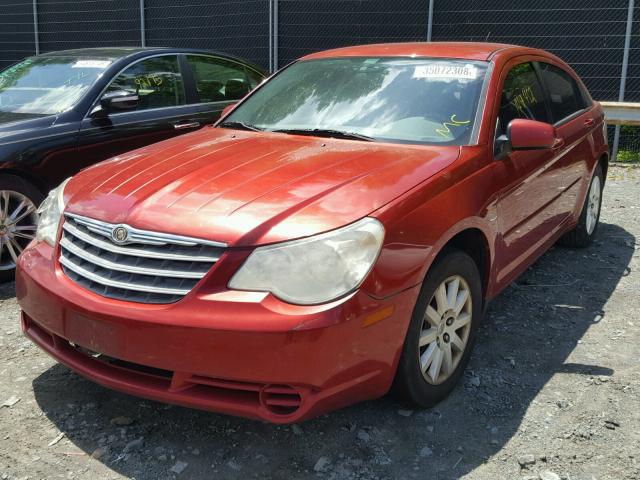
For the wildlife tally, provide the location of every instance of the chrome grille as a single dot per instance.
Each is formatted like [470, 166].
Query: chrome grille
[148, 267]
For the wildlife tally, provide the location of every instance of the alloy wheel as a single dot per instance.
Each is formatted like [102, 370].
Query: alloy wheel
[593, 205]
[445, 330]
[18, 224]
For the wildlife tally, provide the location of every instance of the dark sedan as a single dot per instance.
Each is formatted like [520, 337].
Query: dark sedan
[63, 111]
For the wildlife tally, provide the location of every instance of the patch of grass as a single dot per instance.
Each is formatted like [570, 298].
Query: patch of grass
[629, 146]
[628, 156]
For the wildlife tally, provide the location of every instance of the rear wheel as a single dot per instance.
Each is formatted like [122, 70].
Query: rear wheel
[19, 201]
[584, 233]
[442, 330]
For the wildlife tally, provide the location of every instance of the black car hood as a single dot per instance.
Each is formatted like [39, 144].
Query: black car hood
[12, 124]
[11, 117]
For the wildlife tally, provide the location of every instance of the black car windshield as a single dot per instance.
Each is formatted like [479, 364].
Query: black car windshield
[406, 100]
[47, 85]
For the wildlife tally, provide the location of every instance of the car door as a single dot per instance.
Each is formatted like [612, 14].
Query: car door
[532, 182]
[218, 82]
[161, 112]
[573, 118]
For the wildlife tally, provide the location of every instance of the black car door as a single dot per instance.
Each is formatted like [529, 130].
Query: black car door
[218, 82]
[162, 110]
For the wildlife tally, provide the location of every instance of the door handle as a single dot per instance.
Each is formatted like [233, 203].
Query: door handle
[186, 125]
[557, 143]
[589, 122]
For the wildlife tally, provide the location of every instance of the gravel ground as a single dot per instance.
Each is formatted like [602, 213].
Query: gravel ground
[552, 392]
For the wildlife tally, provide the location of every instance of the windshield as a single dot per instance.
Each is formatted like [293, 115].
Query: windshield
[417, 100]
[47, 85]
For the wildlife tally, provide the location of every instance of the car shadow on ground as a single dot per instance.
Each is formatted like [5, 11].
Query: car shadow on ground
[529, 332]
[7, 290]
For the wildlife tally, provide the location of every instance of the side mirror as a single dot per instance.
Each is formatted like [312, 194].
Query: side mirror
[119, 100]
[530, 135]
[227, 109]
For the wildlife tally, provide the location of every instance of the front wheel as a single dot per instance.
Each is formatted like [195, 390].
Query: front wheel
[19, 201]
[442, 330]
[585, 231]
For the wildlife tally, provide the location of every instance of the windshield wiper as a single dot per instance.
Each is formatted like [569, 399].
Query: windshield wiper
[240, 126]
[325, 132]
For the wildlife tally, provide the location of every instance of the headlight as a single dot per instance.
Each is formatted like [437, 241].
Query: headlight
[313, 270]
[50, 212]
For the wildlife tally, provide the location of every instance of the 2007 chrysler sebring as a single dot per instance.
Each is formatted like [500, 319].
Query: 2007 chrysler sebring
[338, 233]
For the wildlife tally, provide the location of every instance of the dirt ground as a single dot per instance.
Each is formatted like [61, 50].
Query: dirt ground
[552, 392]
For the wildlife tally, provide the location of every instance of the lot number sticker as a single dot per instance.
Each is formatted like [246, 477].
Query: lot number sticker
[448, 72]
[91, 64]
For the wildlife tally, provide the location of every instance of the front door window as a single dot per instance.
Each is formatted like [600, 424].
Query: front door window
[157, 82]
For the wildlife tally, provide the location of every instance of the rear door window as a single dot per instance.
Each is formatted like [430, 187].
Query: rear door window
[255, 78]
[565, 95]
[218, 79]
[157, 81]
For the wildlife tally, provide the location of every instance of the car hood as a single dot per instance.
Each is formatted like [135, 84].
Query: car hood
[251, 188]
[16, 125]
[10, 121]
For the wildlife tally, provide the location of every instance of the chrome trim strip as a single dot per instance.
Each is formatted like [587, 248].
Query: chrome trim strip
[144, 236]
[134, 253]
[124, 285]
[105, 231]
[89, 257]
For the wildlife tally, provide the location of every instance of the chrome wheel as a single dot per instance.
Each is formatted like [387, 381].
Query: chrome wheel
[18, 223]
[593, 205]
[445, 330]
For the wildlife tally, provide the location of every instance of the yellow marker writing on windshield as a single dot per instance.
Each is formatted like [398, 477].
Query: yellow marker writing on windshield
[445, 131]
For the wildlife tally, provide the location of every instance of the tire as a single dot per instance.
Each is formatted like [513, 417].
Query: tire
[587, 228]
[427, 389]
[21, 198]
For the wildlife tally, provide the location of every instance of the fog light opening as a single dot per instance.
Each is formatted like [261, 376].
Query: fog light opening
[280, 399]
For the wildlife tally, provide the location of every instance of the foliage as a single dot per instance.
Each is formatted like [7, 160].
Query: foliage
[628, 156]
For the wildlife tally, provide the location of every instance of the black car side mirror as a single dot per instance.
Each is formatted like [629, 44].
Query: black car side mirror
[501, 147]
[119, 100]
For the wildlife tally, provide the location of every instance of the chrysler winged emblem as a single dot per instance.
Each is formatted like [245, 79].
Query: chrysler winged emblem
[120, 234]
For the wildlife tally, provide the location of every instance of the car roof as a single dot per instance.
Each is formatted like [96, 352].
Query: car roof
[114, 53]
[465, 50]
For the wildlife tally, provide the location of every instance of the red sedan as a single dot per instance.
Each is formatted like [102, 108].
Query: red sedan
[338, 233]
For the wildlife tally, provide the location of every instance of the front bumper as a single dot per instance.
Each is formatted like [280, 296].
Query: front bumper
[239, 353]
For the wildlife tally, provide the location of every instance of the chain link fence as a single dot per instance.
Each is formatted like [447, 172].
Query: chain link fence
[589, 34]
[306, 26]
[80, 23]
[238, 27]
[16, 32]
[629, 141]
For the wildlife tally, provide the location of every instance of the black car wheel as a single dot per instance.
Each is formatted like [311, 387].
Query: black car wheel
[442, 330]
[19, 201]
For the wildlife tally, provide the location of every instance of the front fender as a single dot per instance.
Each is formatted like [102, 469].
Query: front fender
[425, 220]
